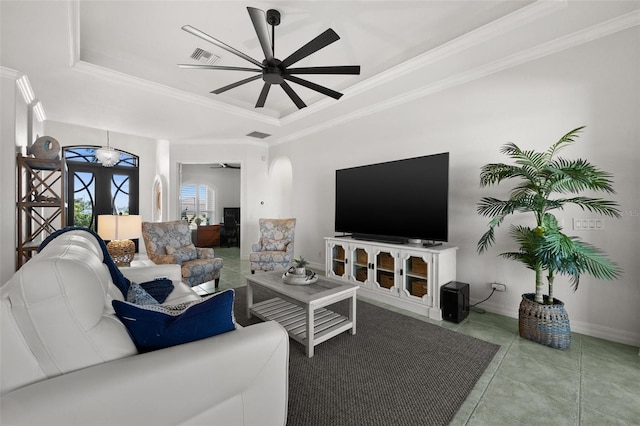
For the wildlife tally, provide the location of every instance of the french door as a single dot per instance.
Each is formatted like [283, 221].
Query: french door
[94, 189]
[99, 190]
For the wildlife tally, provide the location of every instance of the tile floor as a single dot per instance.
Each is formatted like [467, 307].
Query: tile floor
[595, 382]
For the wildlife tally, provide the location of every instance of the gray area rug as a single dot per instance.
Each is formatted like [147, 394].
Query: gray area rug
[395, 370]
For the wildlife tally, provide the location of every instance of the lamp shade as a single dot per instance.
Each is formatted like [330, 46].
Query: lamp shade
[119, 227]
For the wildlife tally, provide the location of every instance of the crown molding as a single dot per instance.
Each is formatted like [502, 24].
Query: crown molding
[500, 27]
[10, 73]
[156, 88]
[595, 32]
[496, 28]
[76, 64]
[460, 44]
[207, 142]
[73, 26]
[24, 87]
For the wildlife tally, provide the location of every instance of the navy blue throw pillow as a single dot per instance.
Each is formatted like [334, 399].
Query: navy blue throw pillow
[158, 289]
[155, 327]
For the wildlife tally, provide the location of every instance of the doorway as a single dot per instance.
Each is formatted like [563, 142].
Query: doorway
[206, 190]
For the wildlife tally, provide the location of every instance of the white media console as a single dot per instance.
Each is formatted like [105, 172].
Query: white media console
[407, 276]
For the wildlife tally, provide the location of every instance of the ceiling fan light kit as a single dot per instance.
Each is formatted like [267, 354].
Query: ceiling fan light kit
[274, 71]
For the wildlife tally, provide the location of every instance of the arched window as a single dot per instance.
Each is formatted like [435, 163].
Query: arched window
[96, 189]
[197, 201]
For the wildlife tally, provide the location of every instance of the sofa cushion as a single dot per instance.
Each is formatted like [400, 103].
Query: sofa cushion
[159, 326]
[58, 301]
[274, 245]
[183, 254]
[18, 364]
[95, 245]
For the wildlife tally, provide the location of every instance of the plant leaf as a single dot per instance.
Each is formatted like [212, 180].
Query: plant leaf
[540, 175]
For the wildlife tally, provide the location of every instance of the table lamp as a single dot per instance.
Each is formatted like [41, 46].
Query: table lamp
[119, 230]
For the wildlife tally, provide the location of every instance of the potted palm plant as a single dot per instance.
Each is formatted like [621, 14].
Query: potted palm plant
[547, 182]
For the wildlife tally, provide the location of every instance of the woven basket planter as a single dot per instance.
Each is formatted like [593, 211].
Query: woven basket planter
[542, 323]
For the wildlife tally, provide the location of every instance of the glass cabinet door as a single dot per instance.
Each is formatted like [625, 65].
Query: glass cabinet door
[360, 264]
[385, 263]
[338, 260]
[415, 279]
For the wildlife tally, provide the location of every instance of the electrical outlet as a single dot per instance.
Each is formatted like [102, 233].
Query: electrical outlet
[498, 287]
[588, 224]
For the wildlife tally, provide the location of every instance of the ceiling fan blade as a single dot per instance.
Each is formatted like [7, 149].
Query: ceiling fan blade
[293, 95]
[236, 84]
[216, 67]
[263, 95]
[323, 40]
[313, 86]
[259, 20]
[196, 32]
[343, 69]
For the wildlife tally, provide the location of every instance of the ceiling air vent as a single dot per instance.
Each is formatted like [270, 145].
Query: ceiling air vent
[258, 135]
[204, 56]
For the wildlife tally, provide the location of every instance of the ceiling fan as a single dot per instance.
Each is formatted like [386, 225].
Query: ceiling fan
[225, 166]
[273, 70]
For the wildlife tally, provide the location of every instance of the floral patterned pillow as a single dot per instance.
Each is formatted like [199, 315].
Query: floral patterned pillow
[183, 254]
[139, 296]
[274, 245]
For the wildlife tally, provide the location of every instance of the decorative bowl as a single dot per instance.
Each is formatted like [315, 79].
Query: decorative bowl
[295, 279]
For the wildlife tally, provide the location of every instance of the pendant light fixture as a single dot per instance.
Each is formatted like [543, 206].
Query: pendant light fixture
[106, 155]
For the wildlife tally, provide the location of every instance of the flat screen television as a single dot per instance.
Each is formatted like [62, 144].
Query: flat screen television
[396, 201]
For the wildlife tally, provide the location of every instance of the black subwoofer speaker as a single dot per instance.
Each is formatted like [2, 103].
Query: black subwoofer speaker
[454, 301]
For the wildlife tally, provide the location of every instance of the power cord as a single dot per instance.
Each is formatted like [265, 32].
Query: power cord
[480, 310]
[475, 304]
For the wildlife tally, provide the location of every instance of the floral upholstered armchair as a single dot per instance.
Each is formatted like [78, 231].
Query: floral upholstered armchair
[275, 247]
[170, 242]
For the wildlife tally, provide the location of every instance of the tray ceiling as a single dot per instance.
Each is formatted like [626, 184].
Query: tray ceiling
[113, 64]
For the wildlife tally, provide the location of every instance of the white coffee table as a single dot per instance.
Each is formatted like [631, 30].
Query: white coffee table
[300, 309]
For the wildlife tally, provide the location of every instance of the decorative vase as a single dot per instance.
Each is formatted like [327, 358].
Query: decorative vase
[45, 147]
[545, 324]
[301, 271]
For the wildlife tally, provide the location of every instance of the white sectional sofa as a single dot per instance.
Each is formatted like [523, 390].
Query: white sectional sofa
[67, 359]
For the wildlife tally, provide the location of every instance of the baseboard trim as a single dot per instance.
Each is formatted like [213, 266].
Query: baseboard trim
[592, 330]
[606, 333]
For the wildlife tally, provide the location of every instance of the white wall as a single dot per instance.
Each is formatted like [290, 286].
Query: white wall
[18, 128]
[163, 171]
[595, 84]
[8, 111]
[281, 177]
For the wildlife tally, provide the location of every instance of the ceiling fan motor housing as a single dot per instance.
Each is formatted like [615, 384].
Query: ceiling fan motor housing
[273, 17]
[272, 73]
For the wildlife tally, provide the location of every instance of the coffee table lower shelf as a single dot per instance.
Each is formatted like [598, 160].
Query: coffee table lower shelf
[293, 318]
